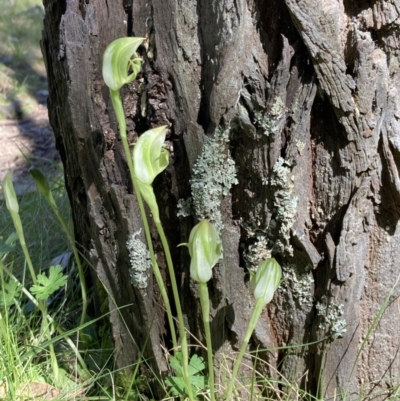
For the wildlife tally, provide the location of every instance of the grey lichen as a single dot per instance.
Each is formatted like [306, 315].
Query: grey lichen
[140, 261]
[185, 207]
[214, 174]
[298, 282]
[271, 121]
[330, 314]
[257, 253]
[284, 202]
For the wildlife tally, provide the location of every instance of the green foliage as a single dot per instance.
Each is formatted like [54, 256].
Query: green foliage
[9, 244]
[8, 292]
[47, 286]
[177, 384]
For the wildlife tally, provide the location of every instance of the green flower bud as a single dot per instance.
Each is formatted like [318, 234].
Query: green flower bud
[205, 249]
[149, 156]
[266, 280]
[118, 66]
[10, 195]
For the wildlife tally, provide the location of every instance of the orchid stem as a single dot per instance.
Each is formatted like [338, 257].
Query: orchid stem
[119, 112]
[182, 330]
[255, 315]
[205, 308]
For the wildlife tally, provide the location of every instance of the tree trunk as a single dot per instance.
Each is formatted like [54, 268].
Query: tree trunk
[301, 97]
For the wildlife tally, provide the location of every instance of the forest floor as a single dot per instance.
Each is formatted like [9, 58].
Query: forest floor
[26, 138]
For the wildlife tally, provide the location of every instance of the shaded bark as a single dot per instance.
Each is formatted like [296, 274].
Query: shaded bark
[308, 94]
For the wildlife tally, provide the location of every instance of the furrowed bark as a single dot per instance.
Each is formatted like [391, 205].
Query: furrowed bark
[308, 94]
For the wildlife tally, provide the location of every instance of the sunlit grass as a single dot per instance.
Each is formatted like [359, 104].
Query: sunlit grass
[27, 352]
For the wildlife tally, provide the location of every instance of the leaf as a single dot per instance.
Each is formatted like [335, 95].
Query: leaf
[43, 186]
[176, 363]
[198, 383]
[196, 364]
[48, 285]
[9, 291]
[177, 384]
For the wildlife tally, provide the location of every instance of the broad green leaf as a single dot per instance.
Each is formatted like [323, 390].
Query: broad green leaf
[177, 384]
[196, 364]
[48, 285]
[176, 365]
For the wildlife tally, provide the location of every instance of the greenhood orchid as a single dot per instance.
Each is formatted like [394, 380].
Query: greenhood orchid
[266, 280]
[149, 156]
[149, 160]
[118, 66]
[205, 250]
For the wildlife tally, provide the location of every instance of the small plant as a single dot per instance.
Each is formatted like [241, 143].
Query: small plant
[47, 286]
[205, 250]
[150, 159]
[44, 188]
[30, 340]
[13, 208]
[265, 282]
[197, 381]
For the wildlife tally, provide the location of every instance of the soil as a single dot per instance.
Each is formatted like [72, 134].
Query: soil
[27, 142]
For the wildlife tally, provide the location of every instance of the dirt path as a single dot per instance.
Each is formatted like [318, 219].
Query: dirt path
[25, 143]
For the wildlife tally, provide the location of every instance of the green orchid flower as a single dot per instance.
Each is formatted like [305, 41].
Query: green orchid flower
[205, 250]
[119, 68]
[266, 280]
[149, 156]
[149, 160]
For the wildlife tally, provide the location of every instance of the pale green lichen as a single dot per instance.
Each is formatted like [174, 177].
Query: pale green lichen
[256, 253]
[285, 204]
[139, 258]
[214, 174]
[299, 283]
[271, 120]
[330, 314]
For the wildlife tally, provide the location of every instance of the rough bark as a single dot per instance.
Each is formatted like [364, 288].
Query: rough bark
[308, 93]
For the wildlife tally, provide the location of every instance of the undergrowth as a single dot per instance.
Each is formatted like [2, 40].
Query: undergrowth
[83, 351]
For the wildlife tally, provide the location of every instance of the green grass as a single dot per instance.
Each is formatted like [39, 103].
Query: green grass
[26, 364]
[42, 230]
[22, 72]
